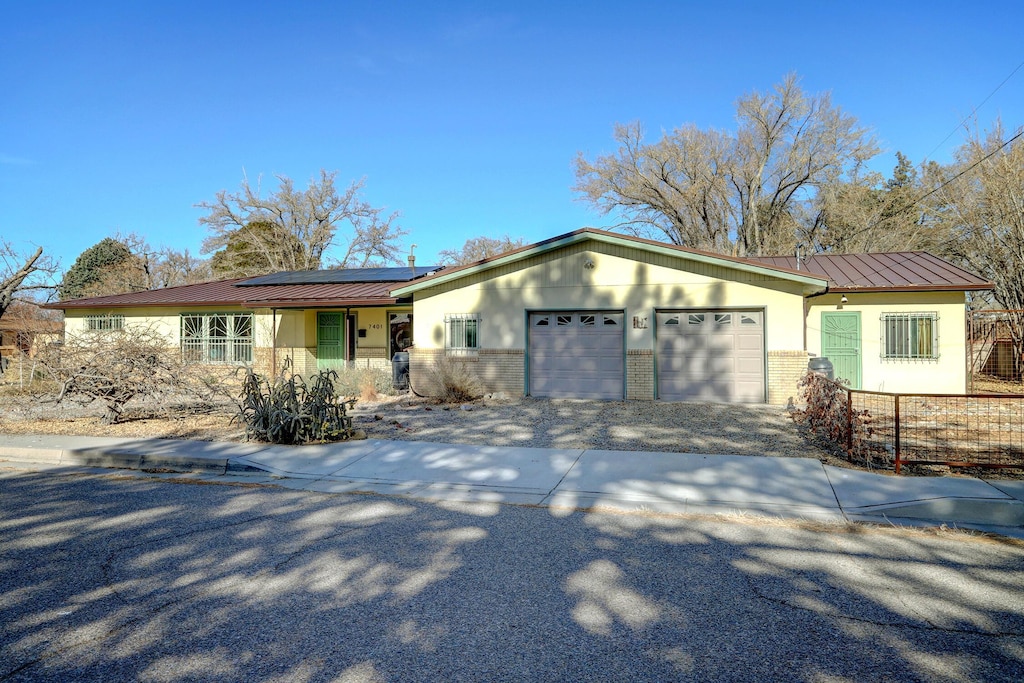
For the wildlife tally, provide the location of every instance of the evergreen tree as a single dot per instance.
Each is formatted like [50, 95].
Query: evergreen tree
[107, 267]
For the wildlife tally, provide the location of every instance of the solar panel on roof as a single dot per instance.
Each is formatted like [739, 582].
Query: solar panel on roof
[340, 276]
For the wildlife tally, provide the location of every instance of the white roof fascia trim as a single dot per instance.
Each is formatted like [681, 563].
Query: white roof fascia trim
[582, 236]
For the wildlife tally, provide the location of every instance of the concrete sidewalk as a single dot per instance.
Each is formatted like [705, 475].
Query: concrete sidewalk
[560, 479]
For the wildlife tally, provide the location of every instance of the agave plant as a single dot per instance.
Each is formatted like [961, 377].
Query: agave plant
[287, 411]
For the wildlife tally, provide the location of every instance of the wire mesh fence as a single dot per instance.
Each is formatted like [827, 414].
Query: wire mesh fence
[895, 430]
[995, 351]
[18, 368]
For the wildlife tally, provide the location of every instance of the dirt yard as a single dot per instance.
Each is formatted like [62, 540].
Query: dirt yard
[570, 424]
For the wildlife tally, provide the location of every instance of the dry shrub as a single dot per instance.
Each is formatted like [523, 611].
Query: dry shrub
[827, 413]
[368, 390]
[117, 366]
[453, 382]
[368, 383]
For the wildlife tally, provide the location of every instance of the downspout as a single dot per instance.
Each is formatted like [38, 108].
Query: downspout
[273, 341]
[348, 342]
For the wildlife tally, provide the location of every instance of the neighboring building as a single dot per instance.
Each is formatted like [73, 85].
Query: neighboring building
[588, 314]
[601, 315]
[303, 321]
[27, 336]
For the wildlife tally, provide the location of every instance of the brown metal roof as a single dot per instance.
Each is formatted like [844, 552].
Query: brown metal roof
[227, 293]
[911, 270]
[903, 270]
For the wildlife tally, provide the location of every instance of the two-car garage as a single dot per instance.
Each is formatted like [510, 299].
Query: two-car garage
[700, 355]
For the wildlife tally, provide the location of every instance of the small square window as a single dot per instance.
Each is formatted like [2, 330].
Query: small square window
[461, 332]
[910, 335]
[587, 320]
[723, 318]
[564, 320]
[695, 319]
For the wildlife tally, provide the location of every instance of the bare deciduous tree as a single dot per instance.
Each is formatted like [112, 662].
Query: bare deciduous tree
[173, 268]
[738, 193]
[477, 249]
[984, 211]
[20, 273]
[117, 366]
[308, 219]
[165, 266]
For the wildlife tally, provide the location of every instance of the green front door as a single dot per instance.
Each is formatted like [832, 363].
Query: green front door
[330, 341]
[840, 343]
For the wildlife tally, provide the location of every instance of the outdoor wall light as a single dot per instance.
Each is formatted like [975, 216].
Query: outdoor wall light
[588, 264]
[843, 299]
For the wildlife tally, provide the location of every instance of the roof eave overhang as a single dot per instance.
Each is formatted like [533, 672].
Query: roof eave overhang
[162, 304]
[586, 235]
[322, 303]
[915, 288]
[262, 303]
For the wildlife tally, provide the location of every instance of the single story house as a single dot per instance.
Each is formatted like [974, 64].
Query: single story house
[300, 321]
[589, 314]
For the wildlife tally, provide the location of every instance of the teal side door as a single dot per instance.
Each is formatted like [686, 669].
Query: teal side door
[841, 344]
[330, 341]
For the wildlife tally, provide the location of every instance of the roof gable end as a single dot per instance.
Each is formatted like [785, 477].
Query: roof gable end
[592, 234]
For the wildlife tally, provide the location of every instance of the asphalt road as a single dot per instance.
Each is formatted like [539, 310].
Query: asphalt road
[117, 578]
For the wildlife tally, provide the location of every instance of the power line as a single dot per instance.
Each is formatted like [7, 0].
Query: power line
[914, 202]
[973, 112]
[970, 168]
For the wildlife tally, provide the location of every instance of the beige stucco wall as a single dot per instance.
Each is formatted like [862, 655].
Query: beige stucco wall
[598, 276]
[946, 374]
[162, 320]
[295, 331]
[632, 280]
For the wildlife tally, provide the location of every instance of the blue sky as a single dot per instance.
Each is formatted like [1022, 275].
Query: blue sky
[466, 117]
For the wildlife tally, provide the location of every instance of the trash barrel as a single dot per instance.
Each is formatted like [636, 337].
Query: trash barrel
[822, 366]
[400, 370]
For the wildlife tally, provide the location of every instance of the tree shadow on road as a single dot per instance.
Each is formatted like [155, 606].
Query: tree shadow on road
[142, 580]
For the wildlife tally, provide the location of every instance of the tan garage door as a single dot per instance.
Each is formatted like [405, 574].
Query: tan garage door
[577, 354]
[711, 355]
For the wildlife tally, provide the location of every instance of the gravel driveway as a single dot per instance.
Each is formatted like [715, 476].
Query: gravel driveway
[578, 424]
[529, 422]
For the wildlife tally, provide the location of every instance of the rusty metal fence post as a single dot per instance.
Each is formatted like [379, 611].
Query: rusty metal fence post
[896, 435]
[849, 423]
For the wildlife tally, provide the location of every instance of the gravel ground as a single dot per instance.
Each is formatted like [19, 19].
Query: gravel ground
[538, 423]
[578, 424]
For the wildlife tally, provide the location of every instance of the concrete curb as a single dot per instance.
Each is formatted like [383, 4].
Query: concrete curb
[119, 458]
[688, 484]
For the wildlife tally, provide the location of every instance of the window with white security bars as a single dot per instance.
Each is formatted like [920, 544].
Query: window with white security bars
[910, 336]
[217, 337]
[104, 323]
[461, 332]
